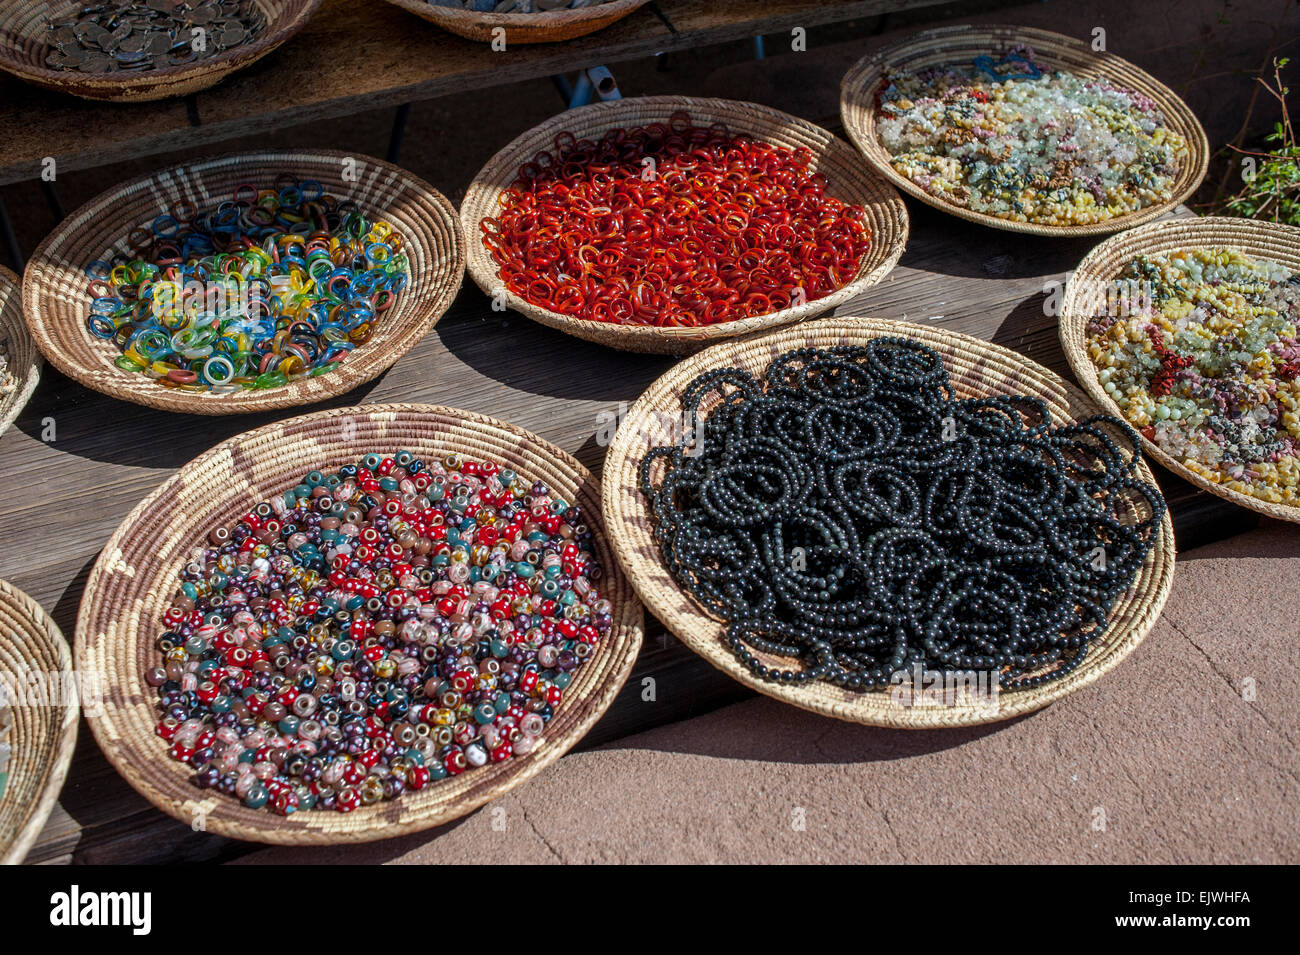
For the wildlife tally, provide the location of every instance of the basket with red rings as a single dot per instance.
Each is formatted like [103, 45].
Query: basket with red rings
[663, 224]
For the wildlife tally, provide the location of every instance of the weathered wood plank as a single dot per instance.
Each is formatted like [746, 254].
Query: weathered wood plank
[354, 56]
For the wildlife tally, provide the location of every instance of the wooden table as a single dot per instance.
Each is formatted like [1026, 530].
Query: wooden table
[356, 55]
[106, 455]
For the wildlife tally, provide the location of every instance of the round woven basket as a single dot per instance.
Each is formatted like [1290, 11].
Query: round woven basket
[548, 26]
[1085, 297]
[34, 663]
[976, 368]
[848, 179]
[56, 301]
[21, 356]
[24, 48]
[961, 44]
[135, 576]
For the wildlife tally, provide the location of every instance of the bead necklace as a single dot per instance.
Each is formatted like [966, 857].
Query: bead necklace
[850, 515]
[1200, 349]
[673, 224]
[375, 628]
[259, 290]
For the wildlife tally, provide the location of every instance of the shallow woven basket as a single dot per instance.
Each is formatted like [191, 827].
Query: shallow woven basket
[849, 179]
[43, 733]
[56, 302]
[1085, 297]
[976, 368]
[961, 44]
[23, 49]
[135, 577]
[548, 26]
[24, 361]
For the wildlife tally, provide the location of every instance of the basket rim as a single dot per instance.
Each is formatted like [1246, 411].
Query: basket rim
[627, 521]
[30, 376]
[483, 189]
[855, 96]
[538, 19]
[43, 629]
[623, 647]
[218, 66]
[357, 371]
[1149, 239]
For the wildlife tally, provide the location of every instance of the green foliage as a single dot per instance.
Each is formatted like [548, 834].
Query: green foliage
[1271, 177]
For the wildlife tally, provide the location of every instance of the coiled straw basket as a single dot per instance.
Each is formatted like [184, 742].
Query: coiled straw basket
[136, 575]
[960, 45]
[56, 302]
[1086, 296]
[37, 680]
[24, 46]
[977, 368]
[848, 179]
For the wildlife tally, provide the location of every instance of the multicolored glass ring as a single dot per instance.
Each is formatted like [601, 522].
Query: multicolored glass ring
[256, 291]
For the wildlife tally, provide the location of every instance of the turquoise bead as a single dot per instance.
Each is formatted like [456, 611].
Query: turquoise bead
[256, 797]
[525, 569]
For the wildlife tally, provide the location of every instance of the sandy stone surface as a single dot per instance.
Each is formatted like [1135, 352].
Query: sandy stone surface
[1187, 752]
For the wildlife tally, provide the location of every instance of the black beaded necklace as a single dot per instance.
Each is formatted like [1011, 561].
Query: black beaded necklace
[850, 514]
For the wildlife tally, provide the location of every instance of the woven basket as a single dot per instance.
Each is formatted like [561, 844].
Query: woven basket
[23, 49]
[549, 26]
[56, 302]
[976, 368]
[1085, 297]
[849, 179]
[960, 44]
[135, 576]
[24, 361]
[44, 732]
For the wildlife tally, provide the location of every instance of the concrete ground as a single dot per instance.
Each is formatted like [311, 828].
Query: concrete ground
[1188, 752]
